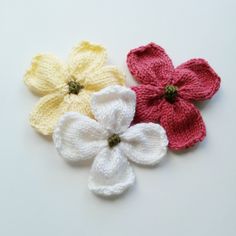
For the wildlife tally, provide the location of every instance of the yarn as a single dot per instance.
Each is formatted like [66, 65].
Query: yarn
[74, 87]
[170, 93]
[113, 140]
[68, 86]
[166, 93]
[110, 140]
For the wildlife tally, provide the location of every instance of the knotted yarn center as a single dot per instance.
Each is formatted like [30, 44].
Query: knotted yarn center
[74, 87]
[113, 140]
[170, 93]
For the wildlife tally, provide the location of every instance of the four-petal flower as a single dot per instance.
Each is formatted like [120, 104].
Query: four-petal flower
[68, 86]
[166, 93]
[110, 140]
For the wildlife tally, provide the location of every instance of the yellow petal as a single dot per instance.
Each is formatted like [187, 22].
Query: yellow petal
[45, 74]
[105, 76]
[79, 103]
[86, 57]
[47, 112]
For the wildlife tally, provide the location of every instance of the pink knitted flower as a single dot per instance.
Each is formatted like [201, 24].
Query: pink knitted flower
[166, 93]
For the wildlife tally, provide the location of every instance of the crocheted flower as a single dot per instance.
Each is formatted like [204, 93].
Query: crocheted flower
[109, 140]
[68, 86]
[166, 93]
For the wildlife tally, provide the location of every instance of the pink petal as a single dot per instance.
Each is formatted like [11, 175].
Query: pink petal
[150, 65]
[183, 124]
[148, 101]
[196, 80]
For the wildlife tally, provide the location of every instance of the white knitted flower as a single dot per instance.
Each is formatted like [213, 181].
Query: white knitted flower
[110, 140]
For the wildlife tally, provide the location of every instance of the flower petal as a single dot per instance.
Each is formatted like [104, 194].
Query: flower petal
[150, 65]
[111, 173]
[45, 74]
[145, 144]
[78, 137]
[196, 80]
[183, 124]
[86, 57]
[114, 107]
[148, 103]
[79, 103]
[105, 76]
[47, 112]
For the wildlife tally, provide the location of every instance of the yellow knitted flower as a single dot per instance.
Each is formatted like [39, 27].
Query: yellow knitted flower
[68, 86]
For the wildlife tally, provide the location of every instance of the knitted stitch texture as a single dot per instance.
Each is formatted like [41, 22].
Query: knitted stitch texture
[166, 93]
[110, 140]
[68, 86]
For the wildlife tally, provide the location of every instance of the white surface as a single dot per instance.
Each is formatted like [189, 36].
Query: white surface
[190, 193]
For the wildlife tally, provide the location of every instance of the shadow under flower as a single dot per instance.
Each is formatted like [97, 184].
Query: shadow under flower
[79, 164]
[210, 102]
[117, 197]
[181, 153]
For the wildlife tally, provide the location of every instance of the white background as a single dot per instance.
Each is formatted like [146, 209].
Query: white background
[191, 193]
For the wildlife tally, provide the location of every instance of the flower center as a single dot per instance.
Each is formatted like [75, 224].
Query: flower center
[113, 140]
[74, 87]
[170, 93]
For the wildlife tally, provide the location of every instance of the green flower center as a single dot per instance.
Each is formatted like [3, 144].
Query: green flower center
[170, 93]
[113, 140]
[74, 87]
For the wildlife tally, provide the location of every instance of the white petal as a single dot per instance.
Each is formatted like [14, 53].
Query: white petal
[111, 173]
[114, 107]
[144, 144]
[78, 137]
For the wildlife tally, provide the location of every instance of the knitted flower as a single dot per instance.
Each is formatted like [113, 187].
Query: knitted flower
[109, 140]
[68, 86]
[166, 93]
